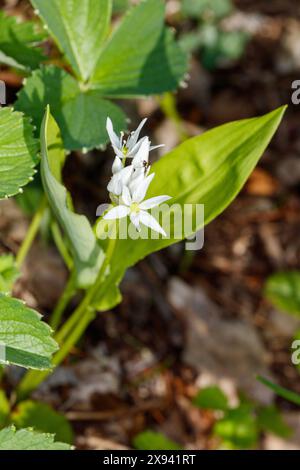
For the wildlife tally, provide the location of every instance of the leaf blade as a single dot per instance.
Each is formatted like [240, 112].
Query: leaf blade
[79, 28]
[87, 254]
[211, 169]
[143, 60]
[24, 339]
[18, 152]
[27, 439]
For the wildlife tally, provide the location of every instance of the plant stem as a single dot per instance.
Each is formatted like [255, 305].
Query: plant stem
[71, 331]
[59, 242]
[31, 233]
[65, 298]
[168, 105]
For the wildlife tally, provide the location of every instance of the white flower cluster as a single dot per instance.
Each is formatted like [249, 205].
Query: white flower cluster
[129, 184]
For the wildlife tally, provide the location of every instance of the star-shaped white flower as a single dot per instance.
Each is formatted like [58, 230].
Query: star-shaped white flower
[133, 204]
[130, 147]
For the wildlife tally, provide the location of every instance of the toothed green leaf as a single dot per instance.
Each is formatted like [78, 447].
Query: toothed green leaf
[141, 57]
[27, 439]
[18, 43]
[25, 340]
[18, 152]
[79, 28]
[81, 116]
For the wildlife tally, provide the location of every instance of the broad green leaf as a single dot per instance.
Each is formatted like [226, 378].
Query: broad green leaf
[87, 254]
[270, 420]
[150, 440]
[79, 28]
[24, 339]
[18, 152]
[80, 115]
[27, 439]
[141, 57]
[238, 428]
[283, 290]
[281, 391]
[112, 298]
[9, 273]
[4, 409]
[212, 398]
[84, 120]
[41, 417]
[209, 169]
[18, 43]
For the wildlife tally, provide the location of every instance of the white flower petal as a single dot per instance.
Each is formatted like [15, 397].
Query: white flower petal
[140, 192]
[126, 174]
[117, 165]
[115, 185]
[153, 202]
[111, 133]
[148, 220]
[132, 140]
[136, 178]
[126, 196]
[135, 219]
[154, 147]
[142, 155]
[117, 213]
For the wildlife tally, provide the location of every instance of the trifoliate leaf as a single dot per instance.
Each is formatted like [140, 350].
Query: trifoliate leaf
[80, 115]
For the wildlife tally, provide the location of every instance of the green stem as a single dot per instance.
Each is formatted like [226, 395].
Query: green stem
[71, 331]
[59, 242]
[31, 233]
[65, 298]
[168, 105]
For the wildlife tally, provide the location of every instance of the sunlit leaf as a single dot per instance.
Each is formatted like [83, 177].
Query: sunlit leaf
[87, 254]
[79, 28]
[209, 169]
[27, 439]
[141, 57]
